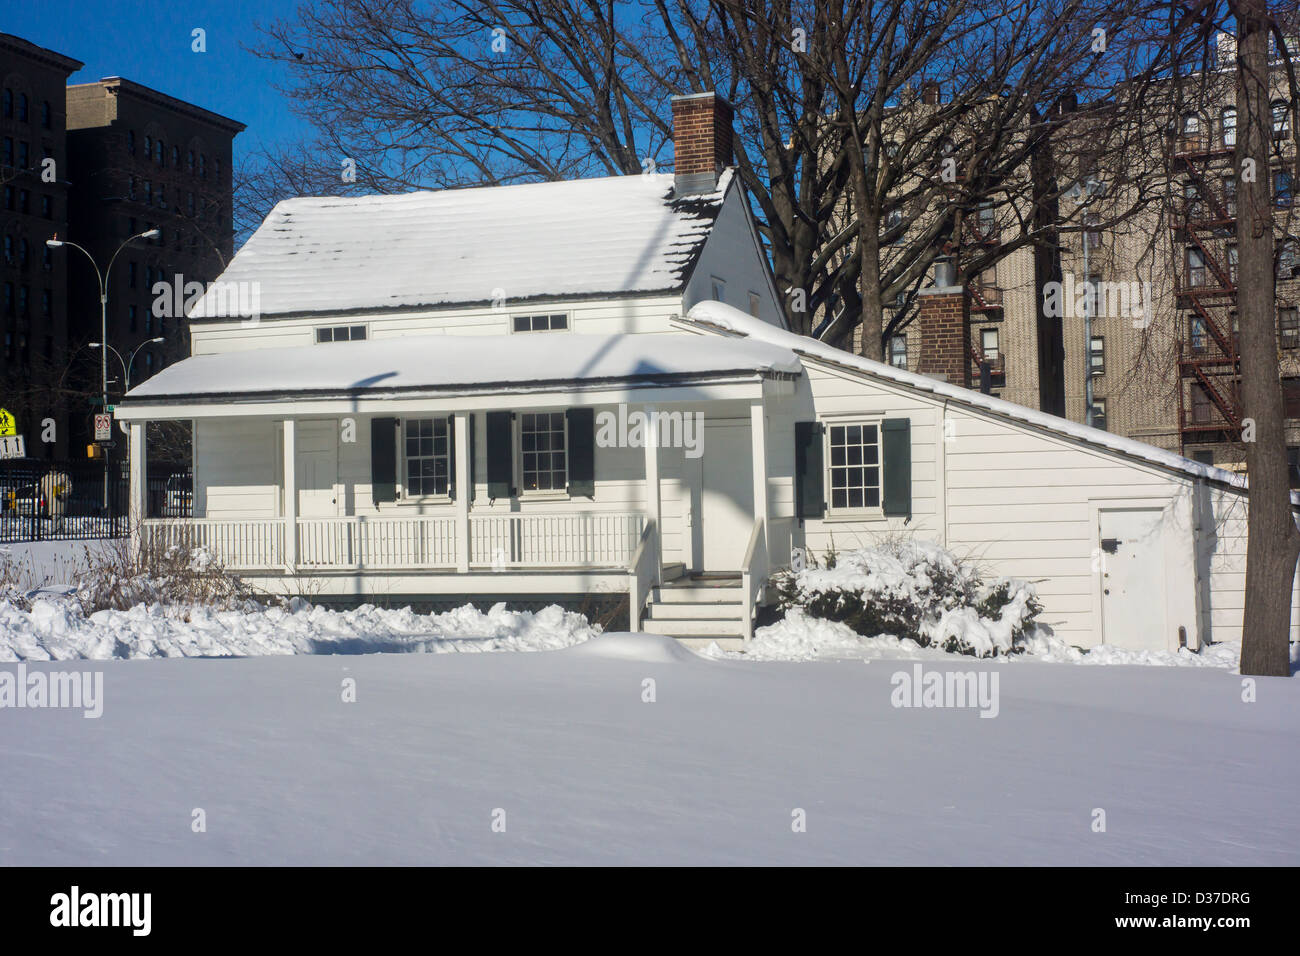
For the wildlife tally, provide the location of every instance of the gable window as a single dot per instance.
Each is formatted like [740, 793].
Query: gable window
[1288, 324]
[854, 457]
[1097, 355]
[755, 304]
[341, 333]
[557, 322]
[898, 351]
[543, 451]
[427, 456]
[719, 289]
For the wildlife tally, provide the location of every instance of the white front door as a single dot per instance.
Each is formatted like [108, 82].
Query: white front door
[1133, 578]
[727, 497]
[317, 467]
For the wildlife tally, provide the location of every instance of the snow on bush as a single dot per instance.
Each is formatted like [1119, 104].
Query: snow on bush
[913, 590]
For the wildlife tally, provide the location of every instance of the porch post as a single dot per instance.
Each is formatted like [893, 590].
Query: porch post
[137, 492]
[290, 495]
[463, 491]
[758, 437]
[653, 497]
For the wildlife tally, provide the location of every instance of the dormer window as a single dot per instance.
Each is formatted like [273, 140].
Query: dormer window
[341, 333]
[555, 322]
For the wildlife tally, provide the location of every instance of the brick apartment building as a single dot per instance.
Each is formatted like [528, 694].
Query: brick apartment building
[1168, 373]
[128, 159]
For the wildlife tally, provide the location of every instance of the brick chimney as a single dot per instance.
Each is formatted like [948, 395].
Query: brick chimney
[930, 93]
[701, 141]
[943, 323]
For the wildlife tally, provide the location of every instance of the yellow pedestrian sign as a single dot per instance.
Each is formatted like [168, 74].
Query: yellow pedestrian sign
[8, 425]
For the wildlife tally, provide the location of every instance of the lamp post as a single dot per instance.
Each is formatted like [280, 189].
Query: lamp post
[57, 243]
[128, 363]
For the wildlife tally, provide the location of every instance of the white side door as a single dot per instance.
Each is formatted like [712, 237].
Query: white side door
[1133, 578]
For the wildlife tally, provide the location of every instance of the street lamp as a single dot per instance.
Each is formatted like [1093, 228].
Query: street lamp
[128, 363]
[56, 243]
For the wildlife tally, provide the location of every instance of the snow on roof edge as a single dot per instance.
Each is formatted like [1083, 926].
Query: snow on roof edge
[726, 318]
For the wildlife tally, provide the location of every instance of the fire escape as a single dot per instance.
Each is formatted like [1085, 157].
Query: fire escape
[1209, 370]
[985, 298]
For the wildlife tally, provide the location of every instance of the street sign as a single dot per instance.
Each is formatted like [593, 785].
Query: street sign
[12, 446]
[103, 427]
[8, 425]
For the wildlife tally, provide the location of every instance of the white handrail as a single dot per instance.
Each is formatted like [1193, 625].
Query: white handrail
[642, 574]
[754, 574]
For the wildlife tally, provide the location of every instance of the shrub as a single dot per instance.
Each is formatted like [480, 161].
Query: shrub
[917, 590]
[118, 579]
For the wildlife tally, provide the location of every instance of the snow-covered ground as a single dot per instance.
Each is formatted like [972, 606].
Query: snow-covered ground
[436, 747]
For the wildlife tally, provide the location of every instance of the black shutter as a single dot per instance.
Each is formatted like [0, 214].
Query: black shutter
[451, 457]
[896, 448]
[383, 459]
[500, 448]
[582, 452]
[809, 473]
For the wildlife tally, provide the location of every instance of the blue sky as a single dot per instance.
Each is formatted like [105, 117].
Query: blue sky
[149, 41]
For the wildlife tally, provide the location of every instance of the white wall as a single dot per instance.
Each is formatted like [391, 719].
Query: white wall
[237, 464]
[732, 253]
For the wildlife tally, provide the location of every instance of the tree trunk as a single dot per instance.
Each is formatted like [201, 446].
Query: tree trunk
[1274, 541]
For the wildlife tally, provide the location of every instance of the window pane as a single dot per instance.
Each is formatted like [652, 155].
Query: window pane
[521, 323]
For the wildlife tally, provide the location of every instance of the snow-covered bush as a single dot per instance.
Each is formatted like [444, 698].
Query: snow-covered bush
[117, 579]
[913, 589]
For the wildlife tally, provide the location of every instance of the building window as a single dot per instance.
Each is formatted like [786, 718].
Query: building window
[1196, 334]
[160, 153]
[203, 166]
[898, 351]
[133, 317]
[1099, 413]
[1282, 188]
[1195, 267]
[1200, 404]
[24, 155]
[989, 344]
[190, 162]
[176, 157]
[1288, 324]
[9, 103]
[148, 147]
[47, 207]
[22, 107]
[9, 250]
[9, 198]
[1097, 355]
[23, 250]
[755, 304]
[1286, 260]
[1228, 121]
[719, 289]
[47, 301]
[854, 456]
[341, 333]
[556, 322]
[1230, 196]
[543, 451]
[130, 141]
[1091, 225]
[1281, 119]
[986, 220]
[1191, 132]
[1233, 262]
[428, 464]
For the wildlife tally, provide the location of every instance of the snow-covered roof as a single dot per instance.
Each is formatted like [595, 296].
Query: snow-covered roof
[612, 236]
[720, 317]
[482, 363]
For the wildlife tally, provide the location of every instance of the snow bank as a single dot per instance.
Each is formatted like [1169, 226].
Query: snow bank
[625, 646]
[56, 629]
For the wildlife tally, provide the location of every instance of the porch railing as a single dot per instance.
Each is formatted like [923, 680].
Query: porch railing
[239, 545]
[594, 539]
[418, 542]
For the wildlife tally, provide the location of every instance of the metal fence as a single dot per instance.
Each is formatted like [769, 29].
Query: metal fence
[74, 500]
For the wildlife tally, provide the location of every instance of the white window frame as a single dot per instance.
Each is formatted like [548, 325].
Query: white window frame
[539, 493]
[365, 329]
[549, 316]
[997, 344]
[718, 289]
[849, 511]
[403, 474]
[897, 337]
[1095, 367]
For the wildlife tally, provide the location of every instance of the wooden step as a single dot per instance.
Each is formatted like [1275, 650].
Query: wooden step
[714, 611]
[694, 628]
[690, 594]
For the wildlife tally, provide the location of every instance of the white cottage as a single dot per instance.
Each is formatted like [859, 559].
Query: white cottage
[447, 395]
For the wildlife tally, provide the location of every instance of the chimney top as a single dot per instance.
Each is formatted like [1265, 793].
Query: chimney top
[701, 141]
[930, 93]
